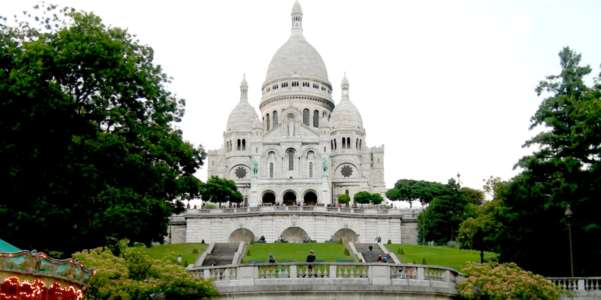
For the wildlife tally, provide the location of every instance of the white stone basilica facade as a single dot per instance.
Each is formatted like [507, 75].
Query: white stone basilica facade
[303, 149]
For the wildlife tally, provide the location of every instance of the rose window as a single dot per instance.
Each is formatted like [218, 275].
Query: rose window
[346, 171]
[240, 172]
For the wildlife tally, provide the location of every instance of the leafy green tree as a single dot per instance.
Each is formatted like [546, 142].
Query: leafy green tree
[344, 199]
[376, 198]
[440, 221]
[410, 190]
[88, 148]
[362, 197]
[134, 275]
[482, 231]
[565, 169]
[220, 190]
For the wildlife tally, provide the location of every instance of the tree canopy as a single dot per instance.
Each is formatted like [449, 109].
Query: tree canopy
[564, 170]
[220, 190]
[411, 190]
[89, 151]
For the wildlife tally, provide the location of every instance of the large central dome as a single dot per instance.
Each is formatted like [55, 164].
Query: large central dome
[297, 58]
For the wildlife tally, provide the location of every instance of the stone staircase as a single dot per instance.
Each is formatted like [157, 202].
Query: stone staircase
[222, 254]
[370, 255]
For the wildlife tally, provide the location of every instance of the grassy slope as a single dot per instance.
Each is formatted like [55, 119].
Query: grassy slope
[171, 251]
[329, 252]
[441, 256]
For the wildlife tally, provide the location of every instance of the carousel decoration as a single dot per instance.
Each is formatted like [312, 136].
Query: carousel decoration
[31, 275]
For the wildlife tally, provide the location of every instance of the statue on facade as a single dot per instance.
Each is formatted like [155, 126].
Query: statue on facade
[255, 165]
[324, 164]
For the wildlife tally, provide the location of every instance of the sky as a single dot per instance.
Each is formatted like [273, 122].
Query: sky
[446, 86]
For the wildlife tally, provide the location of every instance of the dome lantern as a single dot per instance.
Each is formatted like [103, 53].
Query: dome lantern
[297, 17]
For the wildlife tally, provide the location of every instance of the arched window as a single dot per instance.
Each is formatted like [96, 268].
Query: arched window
[335, 144]
[306, 117]
[275, 119]
[348, 142]
[267, 121]
[315, 118]
[357, 143]
[238, 147]
[270, 170]
[332, 144]
[343, 143]
[290, 153]
[243, 144]
[310, 169]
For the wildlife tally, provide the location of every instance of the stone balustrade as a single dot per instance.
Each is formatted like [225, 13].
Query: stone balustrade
[378, 210]
[577, 283]
[240, 281]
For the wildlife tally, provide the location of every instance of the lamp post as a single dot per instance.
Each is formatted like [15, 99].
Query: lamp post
[568, 213]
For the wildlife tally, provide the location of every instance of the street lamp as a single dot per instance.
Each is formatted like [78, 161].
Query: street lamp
[568, 213]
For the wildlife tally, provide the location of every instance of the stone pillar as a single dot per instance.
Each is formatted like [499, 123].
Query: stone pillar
[253, 195]
[326, 194]
[332, 271]
[379, 275]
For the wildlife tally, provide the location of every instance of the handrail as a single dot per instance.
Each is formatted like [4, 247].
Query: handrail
[379, 273]
[577, 283]
[376, 210]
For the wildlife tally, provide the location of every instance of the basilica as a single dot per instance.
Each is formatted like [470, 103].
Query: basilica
[303, 149]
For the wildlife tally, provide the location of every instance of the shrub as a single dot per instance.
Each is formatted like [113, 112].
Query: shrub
[400, 251]
[376, 198]
[504, 281]
[134, 275]
[346, 252]
[209, 205]
[362, 197]
[344, 199]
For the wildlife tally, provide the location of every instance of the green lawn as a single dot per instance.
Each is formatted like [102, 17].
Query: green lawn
[288, 252]
[188, 251]
[434, 255]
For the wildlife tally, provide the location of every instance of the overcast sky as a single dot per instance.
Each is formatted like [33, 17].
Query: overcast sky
[446, 86]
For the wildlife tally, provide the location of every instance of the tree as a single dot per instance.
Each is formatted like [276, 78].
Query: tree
[410, 190]
[220, 190]
[88, 148]
[440, 221]
[376, 198]
[565, 169]
[344, 199]
[362, 197]
[482, 231]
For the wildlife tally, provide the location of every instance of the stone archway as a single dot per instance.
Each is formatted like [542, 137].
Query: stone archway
[289, 198]
[294, 235]
[346, 235]
[310, 198]
[242, 234]
[268, 198]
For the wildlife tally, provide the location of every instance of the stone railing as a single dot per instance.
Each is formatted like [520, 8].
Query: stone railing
[376, 210]
[372, 274]
[577, 283]
[331, 281]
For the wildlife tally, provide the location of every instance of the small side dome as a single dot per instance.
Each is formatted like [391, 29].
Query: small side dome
[243, 117]
[345, 114]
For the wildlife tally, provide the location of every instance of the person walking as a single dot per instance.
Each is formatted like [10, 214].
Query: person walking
[310, 259]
